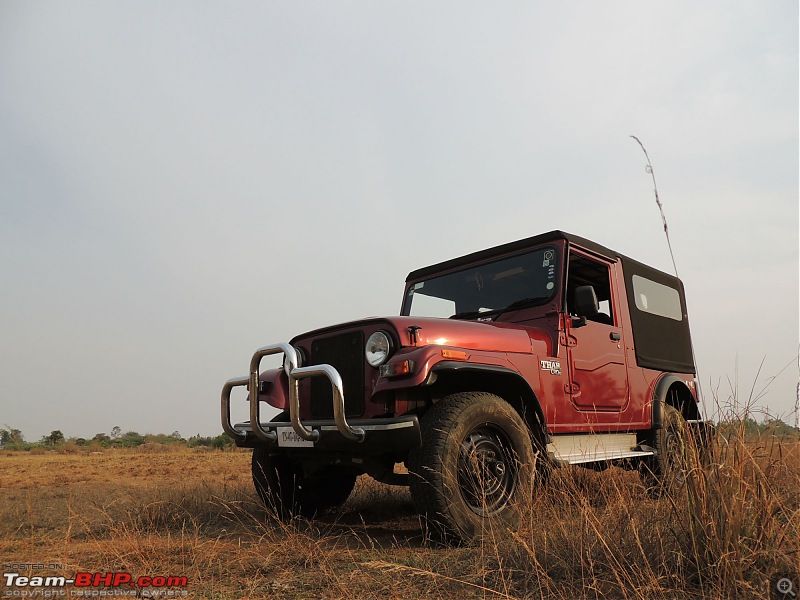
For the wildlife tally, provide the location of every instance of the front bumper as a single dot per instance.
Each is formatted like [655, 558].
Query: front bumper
[380, 435]
[367, 435]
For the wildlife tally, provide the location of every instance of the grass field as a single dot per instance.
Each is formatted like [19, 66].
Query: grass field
[731, 533]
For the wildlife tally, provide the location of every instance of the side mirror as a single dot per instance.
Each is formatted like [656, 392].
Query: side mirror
[578, 322]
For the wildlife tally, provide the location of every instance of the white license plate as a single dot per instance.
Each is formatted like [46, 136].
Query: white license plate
[287, 438]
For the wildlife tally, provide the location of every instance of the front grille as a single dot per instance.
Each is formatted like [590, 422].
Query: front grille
[345, 353]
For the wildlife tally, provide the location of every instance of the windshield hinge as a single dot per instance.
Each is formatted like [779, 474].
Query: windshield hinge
[412, 333]
[567, 340]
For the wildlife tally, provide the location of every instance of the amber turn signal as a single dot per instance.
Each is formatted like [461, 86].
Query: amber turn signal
[454, 354]
[396, 369]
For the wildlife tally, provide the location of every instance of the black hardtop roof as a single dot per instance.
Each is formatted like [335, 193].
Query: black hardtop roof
[550, 236]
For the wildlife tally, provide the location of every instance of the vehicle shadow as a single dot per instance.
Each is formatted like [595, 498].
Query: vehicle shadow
[376, 516]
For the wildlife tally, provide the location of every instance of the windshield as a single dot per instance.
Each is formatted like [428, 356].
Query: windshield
[487, 290]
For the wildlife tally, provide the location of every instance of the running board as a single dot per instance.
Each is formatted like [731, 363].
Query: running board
[595, 447]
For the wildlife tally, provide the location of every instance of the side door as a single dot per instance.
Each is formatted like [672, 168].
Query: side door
[595, 348]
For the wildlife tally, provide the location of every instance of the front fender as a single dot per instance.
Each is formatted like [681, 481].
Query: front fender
[424, 360]
[274, 388]
[429, 358]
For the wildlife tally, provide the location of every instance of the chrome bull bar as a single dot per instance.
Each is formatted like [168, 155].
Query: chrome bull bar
[295, 374]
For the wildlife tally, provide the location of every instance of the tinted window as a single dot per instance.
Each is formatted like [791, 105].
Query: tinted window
[656, 298]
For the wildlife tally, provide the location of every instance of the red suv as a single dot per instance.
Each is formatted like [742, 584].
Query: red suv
[547, 351]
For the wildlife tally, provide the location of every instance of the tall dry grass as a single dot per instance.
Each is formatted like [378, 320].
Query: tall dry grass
[729, 532]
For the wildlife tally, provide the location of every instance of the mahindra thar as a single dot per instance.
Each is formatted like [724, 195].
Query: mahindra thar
[503, 364]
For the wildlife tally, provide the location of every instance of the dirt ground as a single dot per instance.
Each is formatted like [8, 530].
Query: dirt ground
[193, 513]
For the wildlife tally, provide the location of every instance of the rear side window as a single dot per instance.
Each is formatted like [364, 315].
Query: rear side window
[656, 298]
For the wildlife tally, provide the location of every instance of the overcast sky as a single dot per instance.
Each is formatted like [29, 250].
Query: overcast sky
[183, 182]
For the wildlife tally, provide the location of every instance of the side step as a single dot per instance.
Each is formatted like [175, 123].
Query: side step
[595, 447]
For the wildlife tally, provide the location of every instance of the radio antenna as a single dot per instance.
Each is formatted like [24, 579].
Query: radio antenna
[672, 256]
[797, 404]
[650, 170]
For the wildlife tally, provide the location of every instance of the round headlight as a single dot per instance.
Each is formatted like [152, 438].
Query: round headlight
[378, 348]
[301, 356]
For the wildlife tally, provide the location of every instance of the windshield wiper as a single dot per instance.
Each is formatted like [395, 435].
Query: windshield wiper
[524, 303]
[473, 313]
[517, 304]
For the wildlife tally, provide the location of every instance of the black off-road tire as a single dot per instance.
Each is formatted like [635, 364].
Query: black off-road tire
[675, 449]
[472, 469]
[284, 489]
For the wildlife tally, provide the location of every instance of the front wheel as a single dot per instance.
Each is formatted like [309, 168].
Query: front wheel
[469, 473]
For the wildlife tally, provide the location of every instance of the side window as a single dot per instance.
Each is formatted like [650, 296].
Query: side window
[585, 271]
[657, 299]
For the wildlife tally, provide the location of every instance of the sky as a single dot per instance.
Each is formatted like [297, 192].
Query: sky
[183, 182]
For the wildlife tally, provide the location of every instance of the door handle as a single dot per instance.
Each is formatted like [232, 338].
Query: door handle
[615, 336]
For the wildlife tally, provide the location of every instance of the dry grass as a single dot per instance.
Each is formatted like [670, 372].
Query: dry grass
[585, 535]
[730, 533]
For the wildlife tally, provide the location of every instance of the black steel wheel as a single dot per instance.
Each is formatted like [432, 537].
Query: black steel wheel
[487, 470]
[473, 467]
[675, 448]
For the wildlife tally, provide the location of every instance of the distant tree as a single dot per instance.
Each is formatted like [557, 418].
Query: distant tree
[779, 428]
[750, 425]
[162, 438]
[198, 440]
[115, 432]
[130, 439]
[53, 439]
[750, 428]
[11, 439]
[102, 439]
[222, 441]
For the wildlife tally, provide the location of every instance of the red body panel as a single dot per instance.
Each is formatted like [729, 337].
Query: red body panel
[488, 336]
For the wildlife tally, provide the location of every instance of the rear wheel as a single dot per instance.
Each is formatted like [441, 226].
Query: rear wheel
[470, 471]
[284, 488]
[674, 446]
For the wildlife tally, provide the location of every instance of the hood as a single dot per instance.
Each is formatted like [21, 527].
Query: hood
[487, 336]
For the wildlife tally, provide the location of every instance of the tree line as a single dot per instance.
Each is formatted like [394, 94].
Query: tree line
[13, 439]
